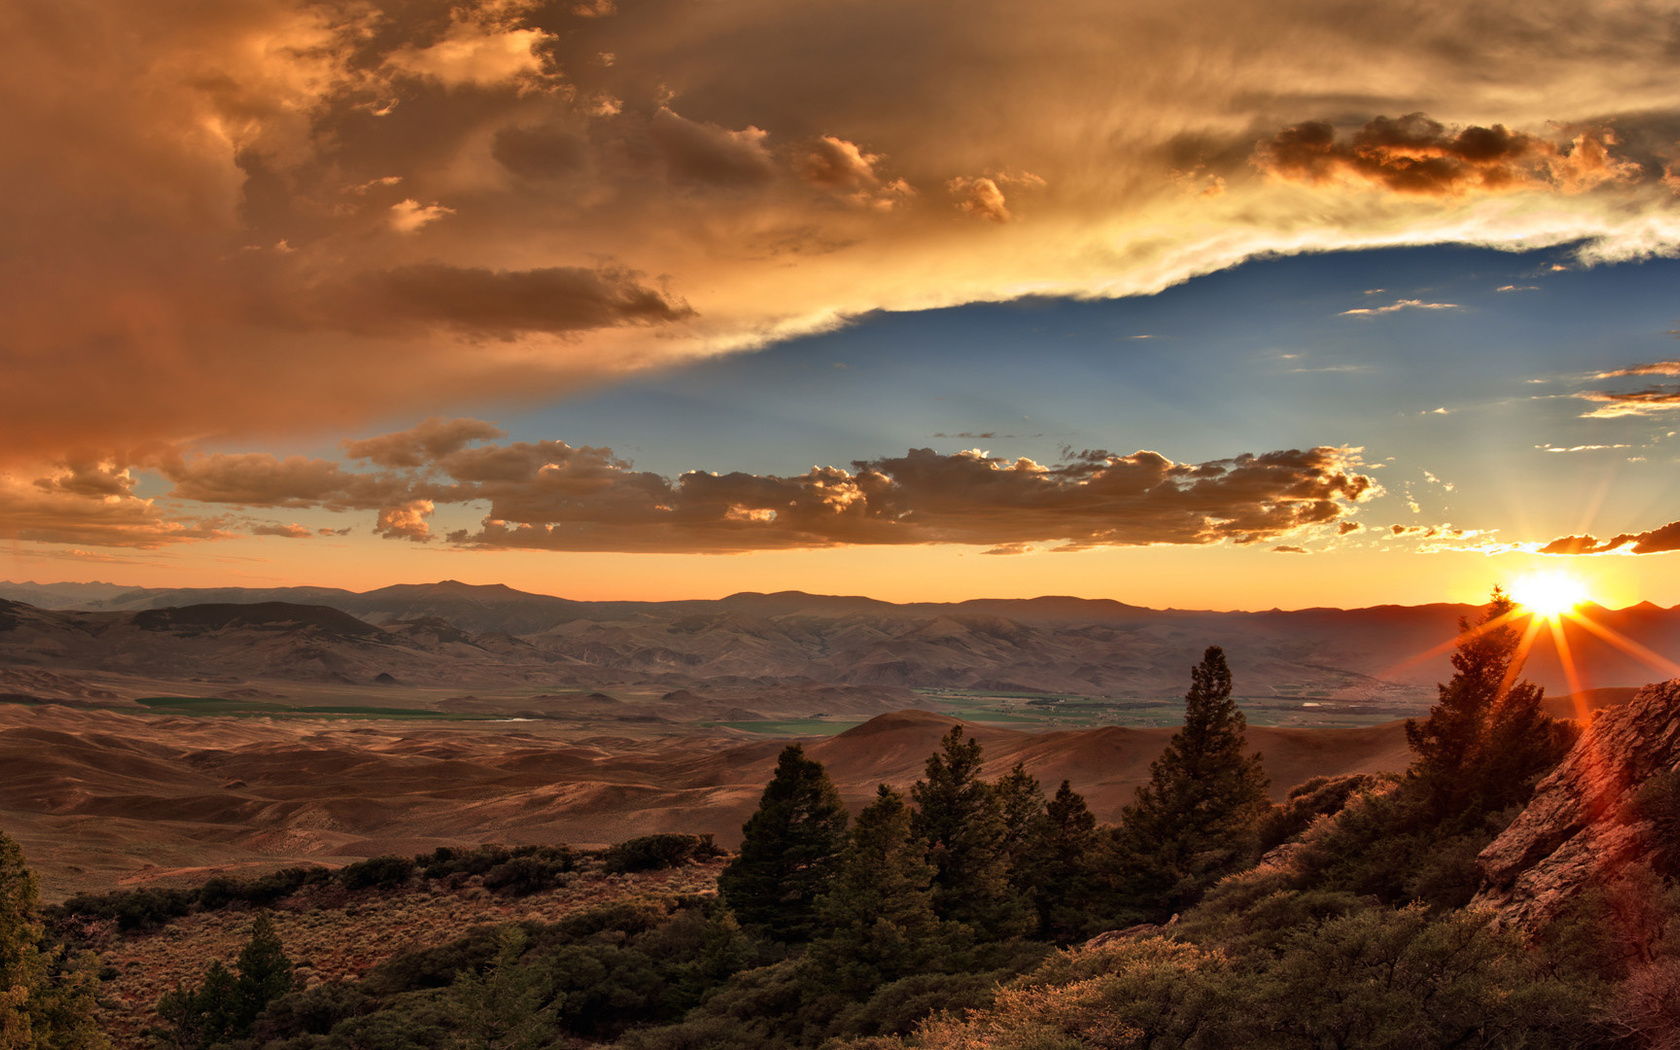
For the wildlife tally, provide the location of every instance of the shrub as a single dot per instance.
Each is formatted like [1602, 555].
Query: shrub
[383, 872]
[654, 852]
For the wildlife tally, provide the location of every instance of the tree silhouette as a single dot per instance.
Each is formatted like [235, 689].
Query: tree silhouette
[1196, 819]
[1487, 739]
[790, 850]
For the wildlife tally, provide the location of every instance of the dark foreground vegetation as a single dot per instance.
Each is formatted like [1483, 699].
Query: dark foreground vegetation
[960, 915]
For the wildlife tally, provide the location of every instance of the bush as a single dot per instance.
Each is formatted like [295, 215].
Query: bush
[385, 872]
[654, 852]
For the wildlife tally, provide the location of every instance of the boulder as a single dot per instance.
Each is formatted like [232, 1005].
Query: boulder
[1578, 830]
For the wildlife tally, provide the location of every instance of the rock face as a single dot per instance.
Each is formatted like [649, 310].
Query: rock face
[1578, 829]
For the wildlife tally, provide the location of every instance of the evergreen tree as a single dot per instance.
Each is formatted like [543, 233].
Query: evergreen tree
[1021, 802]
[265, 973]
[1060, 867]
[961, 819]
[46, 996]
[1487, 739]
[228, 1003]
[790, 850]
[1196, 820]
[502, 1008]
[879, 913]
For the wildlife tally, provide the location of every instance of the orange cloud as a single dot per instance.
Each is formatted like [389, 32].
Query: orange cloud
[1417, 155]
[299, 216]
[1647, 402]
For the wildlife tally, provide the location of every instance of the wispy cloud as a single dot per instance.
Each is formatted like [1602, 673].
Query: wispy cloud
[1651, 401]
[1403, 304]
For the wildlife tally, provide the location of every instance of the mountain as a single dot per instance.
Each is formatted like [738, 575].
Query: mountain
[1385, 657]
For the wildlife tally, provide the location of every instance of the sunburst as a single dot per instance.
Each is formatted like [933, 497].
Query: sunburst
[1550, 595]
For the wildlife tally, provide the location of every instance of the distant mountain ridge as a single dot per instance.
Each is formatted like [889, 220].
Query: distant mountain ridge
[451, 631]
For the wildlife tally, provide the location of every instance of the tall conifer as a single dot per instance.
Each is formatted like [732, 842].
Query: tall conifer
[790, 851]
[962, 821]
[879, 914]
[1196, 819]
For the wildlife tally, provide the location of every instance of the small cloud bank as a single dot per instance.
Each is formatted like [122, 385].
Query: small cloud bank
[548, 495]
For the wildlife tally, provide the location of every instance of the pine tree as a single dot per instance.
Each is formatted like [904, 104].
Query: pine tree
[1196, 819]
[790, 851]
[1487, 738]
[1021, 802]
[46, 995]
[502, 1008]
[1060, 867]
[879, 913]
[265, 973]
[226, 1005]
[961, 819]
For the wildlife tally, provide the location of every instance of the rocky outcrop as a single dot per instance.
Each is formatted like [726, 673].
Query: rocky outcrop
[1579, 829]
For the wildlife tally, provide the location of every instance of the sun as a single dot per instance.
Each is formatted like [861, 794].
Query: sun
[1549, 594]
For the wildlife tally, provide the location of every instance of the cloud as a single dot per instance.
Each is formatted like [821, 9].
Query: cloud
[554, 496]
[1650, 401]
[61, 515]
[485, 48]
[441, 174]
[704, 152]
[849, 173]
[1417, 155]
[983, 198]
[293, 531]
[1286, 549]
[409, 216]
[1655, 368]
[1660, 540]
[1403, 304]
[406, 521]
[260, 479]
[421, 444]
[502, 303]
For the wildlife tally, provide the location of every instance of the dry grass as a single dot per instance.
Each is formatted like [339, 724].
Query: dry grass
[345, 935]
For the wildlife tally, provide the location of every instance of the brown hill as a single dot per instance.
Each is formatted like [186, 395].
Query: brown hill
[101, 797]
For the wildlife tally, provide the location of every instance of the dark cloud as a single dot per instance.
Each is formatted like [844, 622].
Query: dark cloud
[701, 152]
[86, 477]
[588, 502]
[290, 532]
[551, 495]
[1658, 541]
[421, 444]
[258, 479]
[503, 303]
[1286, 549]
[539, 152]
[1415, 154]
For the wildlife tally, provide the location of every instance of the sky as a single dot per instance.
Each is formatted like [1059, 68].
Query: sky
[1200, 305]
